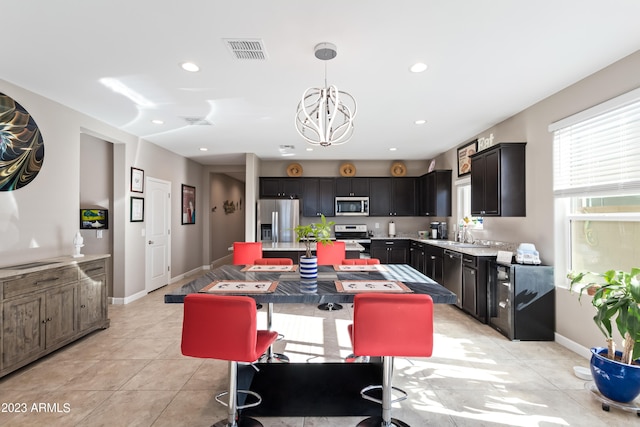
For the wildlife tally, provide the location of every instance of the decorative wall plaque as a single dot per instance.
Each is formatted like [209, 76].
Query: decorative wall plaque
[21, 145]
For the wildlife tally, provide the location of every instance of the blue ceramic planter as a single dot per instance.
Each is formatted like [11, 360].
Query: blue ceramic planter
[616, 381]
[308, 267]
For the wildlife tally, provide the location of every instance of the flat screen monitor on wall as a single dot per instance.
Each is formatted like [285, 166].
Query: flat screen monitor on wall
[94, 219]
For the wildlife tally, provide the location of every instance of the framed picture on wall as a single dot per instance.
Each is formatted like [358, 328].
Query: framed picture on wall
[137, 180]
[188, 204]
[464, 157]
[137, 209]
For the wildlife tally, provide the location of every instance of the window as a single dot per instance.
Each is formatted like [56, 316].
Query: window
[463, 187]
[597, 186]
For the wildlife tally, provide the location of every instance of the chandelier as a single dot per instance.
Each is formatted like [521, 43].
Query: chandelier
[325, 115]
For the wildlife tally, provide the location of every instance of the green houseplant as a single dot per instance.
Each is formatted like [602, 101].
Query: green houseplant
[616, 298]
[319, 232]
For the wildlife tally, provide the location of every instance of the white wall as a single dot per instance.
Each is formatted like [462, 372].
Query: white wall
[40, 220]
[573, 321]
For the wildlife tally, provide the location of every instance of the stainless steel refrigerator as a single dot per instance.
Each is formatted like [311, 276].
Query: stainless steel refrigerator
[276, 219]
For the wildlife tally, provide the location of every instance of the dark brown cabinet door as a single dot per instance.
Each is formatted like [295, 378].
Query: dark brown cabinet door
[380, 197]
[273, 188]
[318, 197]
[352, 187]
[434, 193]
[498, 181]
[404, 196]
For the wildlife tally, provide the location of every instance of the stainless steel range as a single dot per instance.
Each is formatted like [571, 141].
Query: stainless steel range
[356, 233]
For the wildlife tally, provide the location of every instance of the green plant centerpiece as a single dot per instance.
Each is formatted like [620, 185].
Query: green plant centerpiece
[319, 232]
[616, 298]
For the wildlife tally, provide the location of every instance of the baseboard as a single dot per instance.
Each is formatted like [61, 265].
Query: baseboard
[226, 260]
[187, 274]
[573, 346]
[127, 300]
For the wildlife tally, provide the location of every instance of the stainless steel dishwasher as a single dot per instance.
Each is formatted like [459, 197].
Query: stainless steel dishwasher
[452, 274]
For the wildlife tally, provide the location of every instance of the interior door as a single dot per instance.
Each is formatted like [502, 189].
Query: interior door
[157, 230]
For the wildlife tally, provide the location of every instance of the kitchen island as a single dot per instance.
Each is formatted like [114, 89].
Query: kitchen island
[312, 389]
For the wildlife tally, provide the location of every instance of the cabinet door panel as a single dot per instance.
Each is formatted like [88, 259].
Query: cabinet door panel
[492, 190]
[92, 309]
[23, 330]
[60, 314]
[380, 197]
[404, 196]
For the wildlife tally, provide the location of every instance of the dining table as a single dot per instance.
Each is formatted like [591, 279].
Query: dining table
[310, 389]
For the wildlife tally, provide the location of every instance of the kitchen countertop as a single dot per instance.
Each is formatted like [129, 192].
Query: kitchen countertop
[45, 264]
[479, 250]
[299, 246]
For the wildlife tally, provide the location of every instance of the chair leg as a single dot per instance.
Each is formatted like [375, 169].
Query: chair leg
[387, 399]
[270, 356]
[232, 404]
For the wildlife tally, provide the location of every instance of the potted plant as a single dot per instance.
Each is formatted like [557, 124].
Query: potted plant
[319, 232]
[616, 297]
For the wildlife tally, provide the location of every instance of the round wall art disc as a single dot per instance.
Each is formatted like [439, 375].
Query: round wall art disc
[21, 145]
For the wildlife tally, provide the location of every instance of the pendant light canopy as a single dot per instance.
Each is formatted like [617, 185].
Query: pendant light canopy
[325, 115]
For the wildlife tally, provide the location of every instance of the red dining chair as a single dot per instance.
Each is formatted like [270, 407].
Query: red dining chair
[246, 252]
[360, 261]
[273, 261]
[225, 328]
[389, 325]
[331, 254]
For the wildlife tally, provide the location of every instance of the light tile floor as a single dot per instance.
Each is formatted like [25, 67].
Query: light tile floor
[133, 374]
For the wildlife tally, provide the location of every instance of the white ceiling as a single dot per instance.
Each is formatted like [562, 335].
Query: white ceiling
[488, 59]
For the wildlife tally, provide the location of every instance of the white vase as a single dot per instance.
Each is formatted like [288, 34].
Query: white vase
[308, 267]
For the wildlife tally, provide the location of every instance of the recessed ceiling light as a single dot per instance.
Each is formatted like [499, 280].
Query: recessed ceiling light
[420, 122]
[157, 122]
[392, 149]
[418, 67]
[288, 154]
[190, 66]
[309, 149]
[204, 149]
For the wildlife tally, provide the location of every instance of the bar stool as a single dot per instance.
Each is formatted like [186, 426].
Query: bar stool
[270, 356]
[389, 325]
[246, 252]
[225, 328]
[360, 261]
[273, 261]
[331, 254]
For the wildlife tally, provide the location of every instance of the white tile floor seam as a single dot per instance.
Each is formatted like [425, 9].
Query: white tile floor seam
[134, 374]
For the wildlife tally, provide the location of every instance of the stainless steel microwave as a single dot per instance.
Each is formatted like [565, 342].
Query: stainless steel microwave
[352, 206]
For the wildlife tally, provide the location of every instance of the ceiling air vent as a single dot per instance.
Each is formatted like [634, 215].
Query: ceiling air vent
[197, 121]
[246, 49]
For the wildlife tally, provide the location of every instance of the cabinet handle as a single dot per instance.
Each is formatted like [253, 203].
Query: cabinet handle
[83, 306]
[151, 242]
[502, 304]
[51, 279]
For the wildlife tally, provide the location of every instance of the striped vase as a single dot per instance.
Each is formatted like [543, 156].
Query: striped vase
[308, 267]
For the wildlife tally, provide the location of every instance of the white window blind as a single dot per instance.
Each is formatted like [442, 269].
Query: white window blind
[597, 151]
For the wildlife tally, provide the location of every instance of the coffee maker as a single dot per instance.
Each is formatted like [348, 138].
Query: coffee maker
[442, 231]
[438, 230]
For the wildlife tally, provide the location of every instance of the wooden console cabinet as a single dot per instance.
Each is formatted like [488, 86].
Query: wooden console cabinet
[48, 304]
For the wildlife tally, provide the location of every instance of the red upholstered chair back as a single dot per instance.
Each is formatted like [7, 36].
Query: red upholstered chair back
[246, 252]
[360, 261]
[273, 261]
[223, 327]
[392, 325]
[331, 254]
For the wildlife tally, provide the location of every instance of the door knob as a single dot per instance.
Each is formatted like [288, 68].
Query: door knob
[151, 242]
